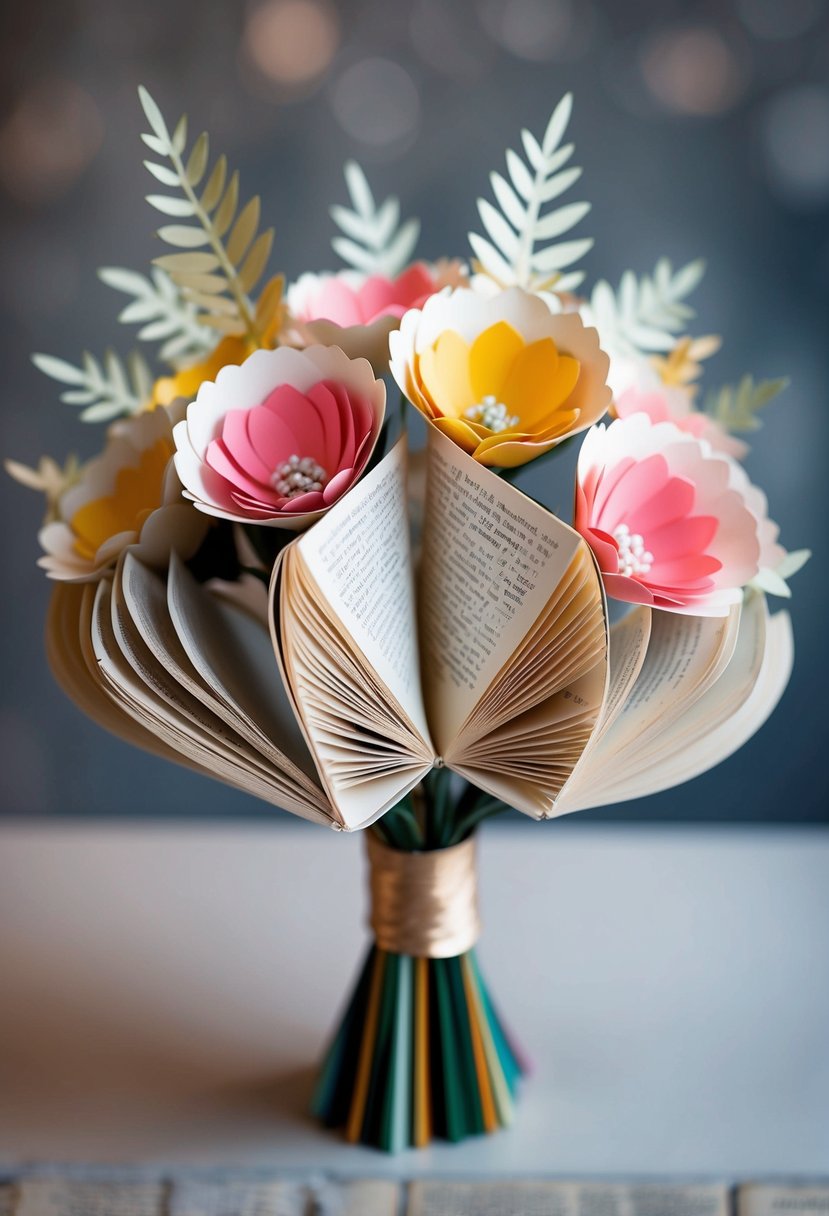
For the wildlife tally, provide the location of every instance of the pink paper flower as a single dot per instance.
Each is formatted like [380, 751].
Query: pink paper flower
[277, 440]
[672, 523]
[675, 405]
[357, 311]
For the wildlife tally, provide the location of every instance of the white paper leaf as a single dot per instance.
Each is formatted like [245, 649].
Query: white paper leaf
[372, 242]
[154, 116]
[521, 225]
[58, 369]
[793, 562]
[502, 235]
[645, 314]
[159, 307]
[161, 173]
[183, 236]
[170, 206]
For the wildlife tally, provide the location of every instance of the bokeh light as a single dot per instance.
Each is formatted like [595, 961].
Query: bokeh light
[692, 70]
[291, 42]
[795, 135]
[377, 103]
[780, 19]
[540, 30]
[49, 138]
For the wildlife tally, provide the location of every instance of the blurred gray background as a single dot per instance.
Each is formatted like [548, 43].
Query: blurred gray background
[703, 129]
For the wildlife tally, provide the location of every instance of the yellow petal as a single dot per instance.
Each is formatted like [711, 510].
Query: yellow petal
[458, 431]
[509, 453]
[137, 492]
[539, 382]
[444, 374]
[491, 359]
[186, 383]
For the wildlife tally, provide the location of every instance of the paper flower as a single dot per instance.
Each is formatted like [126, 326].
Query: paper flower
[502, 376]
[280, 438]
[357, 311]
[129, 495]
[675, 405]
[672, 523]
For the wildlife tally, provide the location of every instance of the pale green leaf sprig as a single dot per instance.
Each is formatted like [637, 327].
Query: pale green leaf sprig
[644, 315]
[523, 247]
[776, 582]
[735, 406]
[163, 313]
[373, 241]
[222, 254]
[106, 388]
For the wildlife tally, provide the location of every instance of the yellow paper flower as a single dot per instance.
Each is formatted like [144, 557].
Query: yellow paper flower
[129, 495]
[504, 377]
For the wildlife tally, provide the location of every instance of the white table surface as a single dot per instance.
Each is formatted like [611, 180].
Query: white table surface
[165, 993]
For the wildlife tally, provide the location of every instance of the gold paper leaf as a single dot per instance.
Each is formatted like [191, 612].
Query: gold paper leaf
[183, 236]
[256, 260]
[227, 208]
[197, 160]
[215, 185]
[244, 231]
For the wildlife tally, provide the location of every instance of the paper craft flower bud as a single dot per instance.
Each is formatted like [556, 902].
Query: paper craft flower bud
[129, 495]
[675, 405]
[672, 523]
[280, 438]
[357, 312]
[502, 376]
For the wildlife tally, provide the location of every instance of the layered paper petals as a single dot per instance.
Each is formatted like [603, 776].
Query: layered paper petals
[128, 496]
[280, 438]
[663, 404]
[357, 312]
[672, 523]
[502, 376]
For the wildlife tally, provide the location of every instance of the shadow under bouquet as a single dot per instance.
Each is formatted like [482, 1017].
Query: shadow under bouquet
[258, 580]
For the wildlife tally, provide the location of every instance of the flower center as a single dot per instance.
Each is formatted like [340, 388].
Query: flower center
[492, 414]
[298, 475]
[634, 558]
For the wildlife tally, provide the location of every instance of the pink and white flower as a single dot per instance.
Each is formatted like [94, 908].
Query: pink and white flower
[358, 311]
[277, 440]
[663, 404]
[671, 522]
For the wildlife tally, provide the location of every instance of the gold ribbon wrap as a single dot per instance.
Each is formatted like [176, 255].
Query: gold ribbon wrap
[423, 904]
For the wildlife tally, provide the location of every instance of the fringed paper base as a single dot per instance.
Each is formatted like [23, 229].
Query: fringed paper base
[420, 1054]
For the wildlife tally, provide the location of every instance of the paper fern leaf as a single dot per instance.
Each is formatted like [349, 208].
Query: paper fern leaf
[735, 407]
[163, 313]
[222, 253]
[523, 248]
[374, 240]
[106, 388]
[645, 314]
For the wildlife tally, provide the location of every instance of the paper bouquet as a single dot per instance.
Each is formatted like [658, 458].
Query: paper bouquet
[257, 580]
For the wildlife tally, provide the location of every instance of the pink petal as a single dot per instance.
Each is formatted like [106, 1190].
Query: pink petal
[271, 437]
[619, 587]
[684, 569]
[606, 483]
[346, 415]
[674, 500]
[633, 491]
[237, 442]
[605, 549]
[337, 302]
[338, 485]
[325, 403]
[693, 534]
[313, 501]
[291, 406]
[221, 462]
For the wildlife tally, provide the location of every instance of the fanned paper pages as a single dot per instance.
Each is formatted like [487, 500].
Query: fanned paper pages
[493, 658]
[497, 668]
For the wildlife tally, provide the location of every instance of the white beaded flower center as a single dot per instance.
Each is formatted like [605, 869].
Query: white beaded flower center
[298, 475]
[492, 414]
[634, 558]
